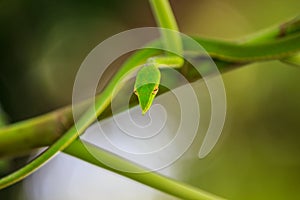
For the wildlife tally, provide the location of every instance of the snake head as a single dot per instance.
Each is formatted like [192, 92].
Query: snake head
[146, 94]
[146, 86]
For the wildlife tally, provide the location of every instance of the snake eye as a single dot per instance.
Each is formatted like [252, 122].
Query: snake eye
[135, 92]
[155, 90]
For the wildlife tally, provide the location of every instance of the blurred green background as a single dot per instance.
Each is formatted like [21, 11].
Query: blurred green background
[44, 42]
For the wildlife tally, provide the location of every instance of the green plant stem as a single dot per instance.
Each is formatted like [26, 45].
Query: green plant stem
[293, 60]
[66, 139]
[79, 150]
[36, 132]
[86, 119]
[45, 129]
[23, 136]
[102, 101]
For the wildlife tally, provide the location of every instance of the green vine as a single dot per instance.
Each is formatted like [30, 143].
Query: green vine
[40, 131]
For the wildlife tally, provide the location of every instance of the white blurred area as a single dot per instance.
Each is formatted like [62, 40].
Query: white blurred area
[66, 177]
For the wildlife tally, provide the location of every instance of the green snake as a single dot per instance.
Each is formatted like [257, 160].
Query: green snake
[226, 51]
[148, 78]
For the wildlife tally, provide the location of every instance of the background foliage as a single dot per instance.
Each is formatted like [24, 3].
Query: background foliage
[44, 42]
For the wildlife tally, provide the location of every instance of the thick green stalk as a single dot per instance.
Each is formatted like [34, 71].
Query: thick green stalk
[160, 182]
[88, 118]
[293, 60]
[45, 129]
[39, 131]
[102, 101]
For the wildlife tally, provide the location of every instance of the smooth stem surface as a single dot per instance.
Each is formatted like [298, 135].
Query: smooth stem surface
[103, 100]
[67, 139]
[293, 60]
[45, 129]
[88, 118]
[160, 182]
[38, 131]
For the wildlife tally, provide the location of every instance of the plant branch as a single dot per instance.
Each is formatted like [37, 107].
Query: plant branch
[102, 101]
[44, 130]
[70, 141]
[88, 152]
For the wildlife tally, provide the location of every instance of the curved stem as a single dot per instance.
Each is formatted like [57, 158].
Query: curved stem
[160, 182]
[46, 129]
[72, 133]
[101, 103]
[35, 134]
[293, 60]
[88, 117]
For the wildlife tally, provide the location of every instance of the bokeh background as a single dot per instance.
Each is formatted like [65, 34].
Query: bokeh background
[44, 42]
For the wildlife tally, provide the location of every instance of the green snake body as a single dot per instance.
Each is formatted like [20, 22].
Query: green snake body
[225, 51]
[241, 53]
